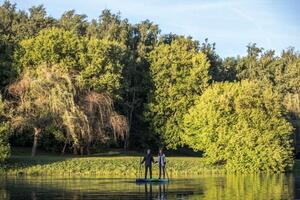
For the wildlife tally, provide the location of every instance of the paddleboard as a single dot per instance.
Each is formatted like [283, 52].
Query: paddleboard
[153, 180]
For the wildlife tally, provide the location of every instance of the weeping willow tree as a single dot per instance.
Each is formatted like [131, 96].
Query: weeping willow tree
[46, 95]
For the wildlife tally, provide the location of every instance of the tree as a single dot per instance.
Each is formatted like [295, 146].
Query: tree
[14, 27]
[113, 28]
[4, 146]
[287, 81]
[52, 46]
[136, 81]
[38, 20]
[179, 75]
[242, 126]
[74, 22]
[216, 70]
[103, 66]
[257, 65]
[229, 66]
[47, 95]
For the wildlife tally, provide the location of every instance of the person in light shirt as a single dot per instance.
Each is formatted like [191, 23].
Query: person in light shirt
[162, 163]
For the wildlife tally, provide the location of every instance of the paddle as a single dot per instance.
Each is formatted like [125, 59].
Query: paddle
[166, 172]
[140, 168]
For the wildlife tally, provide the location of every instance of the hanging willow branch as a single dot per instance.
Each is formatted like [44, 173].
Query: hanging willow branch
[84, 116]
[119, 124]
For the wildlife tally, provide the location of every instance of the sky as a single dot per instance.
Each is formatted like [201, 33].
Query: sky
[231, 24]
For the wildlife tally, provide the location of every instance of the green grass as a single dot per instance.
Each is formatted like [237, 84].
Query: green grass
[109, 164]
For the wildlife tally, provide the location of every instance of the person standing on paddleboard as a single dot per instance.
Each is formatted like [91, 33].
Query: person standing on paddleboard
[162, 163]
[148, 160]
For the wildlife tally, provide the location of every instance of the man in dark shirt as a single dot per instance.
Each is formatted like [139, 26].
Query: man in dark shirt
[148, 160]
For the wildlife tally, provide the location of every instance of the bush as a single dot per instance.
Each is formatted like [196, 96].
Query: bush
[242, 126]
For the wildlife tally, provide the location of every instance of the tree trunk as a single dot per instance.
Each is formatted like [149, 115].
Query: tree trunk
[81, 150]
[64, 149]
[75, 149]
[88, 148]
[126, 143]
[36, 136]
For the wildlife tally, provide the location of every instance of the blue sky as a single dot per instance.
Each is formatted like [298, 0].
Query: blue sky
[232, 24]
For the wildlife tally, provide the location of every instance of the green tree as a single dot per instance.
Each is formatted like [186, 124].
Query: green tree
[229, 66]
[74, 22]
[16, 26]
[242, 126]
[12, 29]
[136, 81]
[103, 66]
[287, 81]
[112, 27]
[216, 70]
[257, 65]
[4, 146]
[52, 46]
[179, 74]
[38, 20]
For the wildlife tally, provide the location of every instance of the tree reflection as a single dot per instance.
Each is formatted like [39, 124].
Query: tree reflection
[280, 186]
[250, 187]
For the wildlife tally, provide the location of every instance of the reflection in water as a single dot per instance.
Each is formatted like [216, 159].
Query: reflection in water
[206, 187]
[161, 192]
[162, 195]
[148, 195]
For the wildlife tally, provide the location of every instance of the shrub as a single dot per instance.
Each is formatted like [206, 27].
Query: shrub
[242, 126]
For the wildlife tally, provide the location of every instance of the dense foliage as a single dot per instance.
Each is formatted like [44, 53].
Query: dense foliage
[4, 146]
[241, 125]
[72, 84]
[179, 75]
[52, 46]
[46, 96]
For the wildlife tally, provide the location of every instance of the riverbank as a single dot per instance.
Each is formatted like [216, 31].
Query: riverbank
[110, 164]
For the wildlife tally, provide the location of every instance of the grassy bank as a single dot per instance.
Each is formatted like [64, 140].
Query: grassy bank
[101, 165]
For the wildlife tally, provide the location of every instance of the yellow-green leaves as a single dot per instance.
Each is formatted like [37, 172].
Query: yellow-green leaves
[241, 125]
[53, 46]
[103, 66]
[179, 74]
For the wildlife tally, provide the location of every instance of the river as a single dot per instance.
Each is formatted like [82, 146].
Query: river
[281, 186]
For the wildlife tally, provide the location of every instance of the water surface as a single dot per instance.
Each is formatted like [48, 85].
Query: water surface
[283, 186]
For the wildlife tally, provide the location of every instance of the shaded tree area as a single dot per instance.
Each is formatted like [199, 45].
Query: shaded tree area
[4, 127]
[73, 84]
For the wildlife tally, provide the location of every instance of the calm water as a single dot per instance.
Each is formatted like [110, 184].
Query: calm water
[206, 187]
